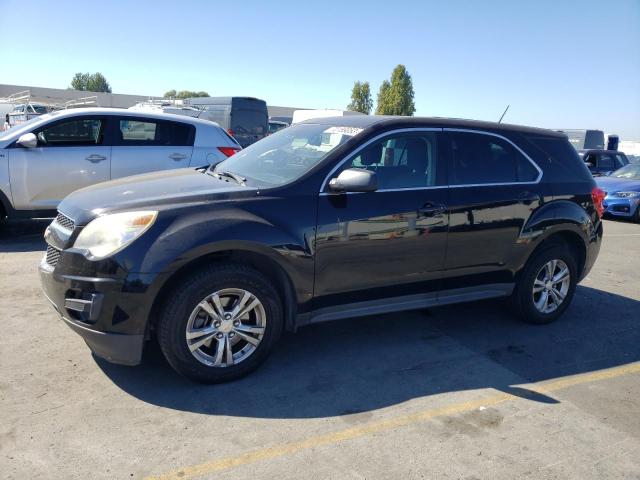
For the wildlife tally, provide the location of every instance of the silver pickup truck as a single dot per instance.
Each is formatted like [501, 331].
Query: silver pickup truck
[48, 157]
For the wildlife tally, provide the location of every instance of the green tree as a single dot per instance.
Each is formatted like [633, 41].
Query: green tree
[90, 82]
[382, 107]
[79, 81]
[396, 96]
[361, 100]
[182, 94]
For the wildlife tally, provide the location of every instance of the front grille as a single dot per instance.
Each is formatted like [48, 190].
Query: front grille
[53, 255]
[621, 208]
[64, 221]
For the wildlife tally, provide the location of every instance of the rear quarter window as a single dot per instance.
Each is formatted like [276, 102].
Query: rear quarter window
[559, 161]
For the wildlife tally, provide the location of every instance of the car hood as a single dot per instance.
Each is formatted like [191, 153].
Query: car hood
[614, 184]
[155, 190]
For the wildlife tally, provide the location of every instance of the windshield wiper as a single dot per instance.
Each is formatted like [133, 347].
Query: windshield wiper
[233, 176]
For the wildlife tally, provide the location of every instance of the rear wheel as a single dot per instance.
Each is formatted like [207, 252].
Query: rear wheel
[220, 324]
[546, 286]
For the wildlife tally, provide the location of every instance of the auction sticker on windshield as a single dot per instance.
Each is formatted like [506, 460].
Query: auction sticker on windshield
[351, 131]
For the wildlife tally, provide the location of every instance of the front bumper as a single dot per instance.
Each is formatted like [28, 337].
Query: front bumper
[107, 313]
[621, 207]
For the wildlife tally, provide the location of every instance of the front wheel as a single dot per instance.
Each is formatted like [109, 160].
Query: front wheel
[546, 285]
[220, 324]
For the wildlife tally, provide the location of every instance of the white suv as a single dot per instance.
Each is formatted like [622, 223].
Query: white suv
[48, 157]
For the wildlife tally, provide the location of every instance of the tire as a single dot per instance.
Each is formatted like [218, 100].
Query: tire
[636, 215]
[192, 311]
[527, 303]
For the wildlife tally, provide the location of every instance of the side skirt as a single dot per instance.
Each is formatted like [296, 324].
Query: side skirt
[408, 302]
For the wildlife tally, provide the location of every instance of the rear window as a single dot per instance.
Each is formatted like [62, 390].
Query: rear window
[559, 159]
[606, 162]
[248, 121]
[152, 132]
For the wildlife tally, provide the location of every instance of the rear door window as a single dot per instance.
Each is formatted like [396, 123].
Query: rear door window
[481, 159]
[154, 132]
[72, 133]
[606, 162]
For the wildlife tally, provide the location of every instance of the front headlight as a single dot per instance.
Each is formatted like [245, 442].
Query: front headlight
[108, 234]
[627, 194]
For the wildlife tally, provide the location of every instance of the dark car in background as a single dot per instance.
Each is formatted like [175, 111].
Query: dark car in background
[622, 190]
[244, 118]
[603, 162]
[327, 219]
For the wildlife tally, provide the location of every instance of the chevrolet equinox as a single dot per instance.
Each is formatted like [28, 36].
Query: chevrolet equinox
[327, 219]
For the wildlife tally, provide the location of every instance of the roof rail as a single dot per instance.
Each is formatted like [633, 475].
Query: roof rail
[18, 97]
[91, 101]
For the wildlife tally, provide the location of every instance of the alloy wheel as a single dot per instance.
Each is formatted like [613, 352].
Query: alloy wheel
[226, 327]
[551, 286]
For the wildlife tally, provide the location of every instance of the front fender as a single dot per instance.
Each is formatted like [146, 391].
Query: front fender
[182, 238]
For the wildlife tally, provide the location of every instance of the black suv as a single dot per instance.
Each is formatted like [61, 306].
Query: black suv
[327, 219]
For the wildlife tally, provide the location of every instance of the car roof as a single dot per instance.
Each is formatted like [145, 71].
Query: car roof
[386, 121]
[72, 112]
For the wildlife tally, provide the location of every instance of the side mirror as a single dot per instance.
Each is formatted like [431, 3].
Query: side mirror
[354, 180]
[28, 140]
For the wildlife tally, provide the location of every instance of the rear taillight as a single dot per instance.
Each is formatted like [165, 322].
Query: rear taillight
[228, 151]
[230, 132]
[597, 195]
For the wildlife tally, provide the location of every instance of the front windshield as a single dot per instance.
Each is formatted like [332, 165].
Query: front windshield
[628, 171]
[286, 155]
[25, 127]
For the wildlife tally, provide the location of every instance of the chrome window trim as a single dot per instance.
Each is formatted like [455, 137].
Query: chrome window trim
[427, 129]
[384, 190]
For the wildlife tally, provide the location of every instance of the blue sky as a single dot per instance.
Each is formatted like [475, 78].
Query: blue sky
[559, 64]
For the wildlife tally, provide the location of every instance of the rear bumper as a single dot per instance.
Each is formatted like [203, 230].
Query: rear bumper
[592, 249]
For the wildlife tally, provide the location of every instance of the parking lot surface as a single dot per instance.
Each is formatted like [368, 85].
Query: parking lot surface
[461, 392]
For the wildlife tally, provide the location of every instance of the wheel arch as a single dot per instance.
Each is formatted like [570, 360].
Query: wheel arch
[253, 256]
[570, 238]
[560, 222]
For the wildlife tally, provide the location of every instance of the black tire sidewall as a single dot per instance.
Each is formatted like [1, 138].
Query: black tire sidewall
[175, 315]
[523, 295]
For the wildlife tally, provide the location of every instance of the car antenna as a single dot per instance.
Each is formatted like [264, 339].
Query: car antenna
[503, 114]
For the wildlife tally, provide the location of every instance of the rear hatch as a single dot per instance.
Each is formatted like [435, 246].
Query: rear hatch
[249, 121]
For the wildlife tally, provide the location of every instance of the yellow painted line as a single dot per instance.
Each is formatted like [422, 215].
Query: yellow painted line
[387, 424]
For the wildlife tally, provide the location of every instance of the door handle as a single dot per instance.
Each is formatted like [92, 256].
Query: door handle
[95, 158]
[177, 156]
[431, 209]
